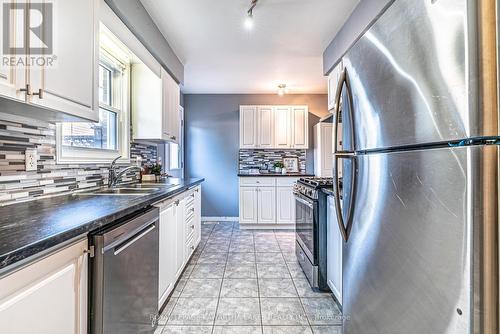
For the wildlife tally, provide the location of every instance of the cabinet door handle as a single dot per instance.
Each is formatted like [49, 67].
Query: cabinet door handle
[176, 203]
[173, 137]
[90, 251]
[40, 93]
[27, 89]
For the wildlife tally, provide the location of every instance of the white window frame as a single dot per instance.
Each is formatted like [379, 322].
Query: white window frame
[181, 147]
[118, 62]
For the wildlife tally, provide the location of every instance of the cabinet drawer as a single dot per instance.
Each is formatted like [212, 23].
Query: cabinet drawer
[190, 247]
[190, 199]
[257, 181]
[285, 181]
[189, 214]
[190, 229]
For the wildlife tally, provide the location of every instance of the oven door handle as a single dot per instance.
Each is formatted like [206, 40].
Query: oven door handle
[302, 201]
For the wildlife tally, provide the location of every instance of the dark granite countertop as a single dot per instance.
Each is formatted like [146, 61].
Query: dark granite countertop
[276, 175]
[29, 228]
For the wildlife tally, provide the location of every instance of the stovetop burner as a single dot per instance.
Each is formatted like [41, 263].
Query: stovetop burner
[317, 182]
[311, 186]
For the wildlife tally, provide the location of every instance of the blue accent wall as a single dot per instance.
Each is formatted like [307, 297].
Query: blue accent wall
[212, 142]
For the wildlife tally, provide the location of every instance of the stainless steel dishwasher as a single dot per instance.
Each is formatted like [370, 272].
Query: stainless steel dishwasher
[124, 276]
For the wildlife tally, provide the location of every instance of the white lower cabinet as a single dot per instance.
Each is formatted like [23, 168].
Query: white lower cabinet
[248, 205]
[197, 215]
[334, 247]
[167, 247]
[48, 296]
[267, 200]
[266, 205]
[285, 205]
[180, 234]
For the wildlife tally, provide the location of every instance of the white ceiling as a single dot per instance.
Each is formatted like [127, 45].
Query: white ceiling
[221, 56]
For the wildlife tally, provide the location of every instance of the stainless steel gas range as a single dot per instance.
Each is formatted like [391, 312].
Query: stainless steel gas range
[310, 220]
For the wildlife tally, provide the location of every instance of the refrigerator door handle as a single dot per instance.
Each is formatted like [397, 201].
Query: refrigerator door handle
[344, 226]
[344, 80]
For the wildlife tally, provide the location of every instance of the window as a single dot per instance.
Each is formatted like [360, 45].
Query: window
[109, 138]
[174, 157]
[175, 151]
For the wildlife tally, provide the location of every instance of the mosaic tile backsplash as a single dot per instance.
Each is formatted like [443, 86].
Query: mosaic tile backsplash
[18, 133]
[265, 159]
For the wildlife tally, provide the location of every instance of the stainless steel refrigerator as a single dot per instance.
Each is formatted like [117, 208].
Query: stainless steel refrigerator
[418, 201]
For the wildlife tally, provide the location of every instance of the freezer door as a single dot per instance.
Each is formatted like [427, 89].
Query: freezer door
[409, 77]
[407, 262]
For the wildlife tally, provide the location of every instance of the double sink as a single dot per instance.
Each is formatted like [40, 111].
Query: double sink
[128, 190]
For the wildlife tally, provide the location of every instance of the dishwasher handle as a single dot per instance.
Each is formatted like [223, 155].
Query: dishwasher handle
[119, 247]
[131, 241]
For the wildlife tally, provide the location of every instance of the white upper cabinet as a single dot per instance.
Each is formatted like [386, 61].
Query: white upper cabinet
[323, 142]
[147, 107]
[283, 128]
[300, 127]
[155, 105]
[248, 127]
[71, 84]
[265, 116]
[171, 110]
[11, 79]
[333, 81]
[63, 81]
[274, 127]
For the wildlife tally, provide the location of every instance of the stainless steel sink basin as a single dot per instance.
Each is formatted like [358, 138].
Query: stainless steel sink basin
[126, 191]
[121, 191]
[148, 186]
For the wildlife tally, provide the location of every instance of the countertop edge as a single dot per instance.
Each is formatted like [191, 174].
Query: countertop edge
[29, 253]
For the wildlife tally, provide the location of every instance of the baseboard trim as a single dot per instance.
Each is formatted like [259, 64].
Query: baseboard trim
[220, 219]
[267, 226]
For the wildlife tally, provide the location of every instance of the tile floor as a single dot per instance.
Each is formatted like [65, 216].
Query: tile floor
[242, 281]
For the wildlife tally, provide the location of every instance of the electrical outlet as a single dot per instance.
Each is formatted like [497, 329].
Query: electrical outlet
[30, 159]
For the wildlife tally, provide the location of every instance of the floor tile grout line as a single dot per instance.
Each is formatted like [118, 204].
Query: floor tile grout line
[220, 289]
[258, 285]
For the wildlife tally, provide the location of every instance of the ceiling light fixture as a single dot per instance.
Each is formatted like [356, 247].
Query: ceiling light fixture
[249, 19]
[282, 90]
